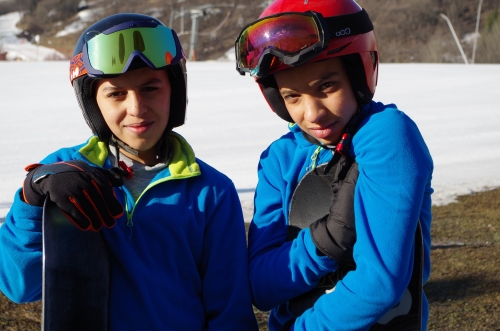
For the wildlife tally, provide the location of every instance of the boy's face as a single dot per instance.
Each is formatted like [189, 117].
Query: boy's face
[136, 107]
[319, 98]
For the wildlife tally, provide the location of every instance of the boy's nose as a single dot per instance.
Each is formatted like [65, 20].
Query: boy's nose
[314, 109]
[135, 107]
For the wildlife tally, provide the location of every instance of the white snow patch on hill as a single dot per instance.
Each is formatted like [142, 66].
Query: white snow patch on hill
[20, 49]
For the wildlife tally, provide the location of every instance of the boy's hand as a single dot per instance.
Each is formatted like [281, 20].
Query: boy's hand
[83, 193]
[334, 238]
[335, 234]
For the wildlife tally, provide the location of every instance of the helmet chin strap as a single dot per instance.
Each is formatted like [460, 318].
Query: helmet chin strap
[163, 150]
[315, 141]
[118, 144]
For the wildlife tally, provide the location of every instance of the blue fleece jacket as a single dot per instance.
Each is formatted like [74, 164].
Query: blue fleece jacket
[178, 255]
[393, 192]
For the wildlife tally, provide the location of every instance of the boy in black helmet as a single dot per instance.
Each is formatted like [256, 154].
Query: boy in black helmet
[358, 261]
[174, 227]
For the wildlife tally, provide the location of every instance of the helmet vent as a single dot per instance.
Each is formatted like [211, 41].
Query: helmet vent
[338, 49]
[374, 59]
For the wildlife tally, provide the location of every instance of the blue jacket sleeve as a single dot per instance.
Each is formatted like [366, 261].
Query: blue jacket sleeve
[280, 270]
[392, 194]
[21, 252]
[226, 291]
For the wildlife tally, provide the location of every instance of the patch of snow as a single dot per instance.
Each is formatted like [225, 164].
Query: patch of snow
[88, 15]
[30, 52]
[8, 29]
[84, 17]
[74, 27]
[19, 49]
[470, 37]
[155, 11]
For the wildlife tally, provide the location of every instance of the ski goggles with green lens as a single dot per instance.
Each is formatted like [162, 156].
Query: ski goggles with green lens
[112, 51]
[292, 37]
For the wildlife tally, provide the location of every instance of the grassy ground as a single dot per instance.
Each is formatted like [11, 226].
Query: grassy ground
[464, 288]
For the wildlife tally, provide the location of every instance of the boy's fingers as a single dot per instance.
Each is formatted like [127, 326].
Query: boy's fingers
[114, 176]
[82, 224]
[112, 206]
[85, 209]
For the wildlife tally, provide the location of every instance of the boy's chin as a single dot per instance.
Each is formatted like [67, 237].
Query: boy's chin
[327, 136]
[143, 148]
[326, 140]
[142, 144]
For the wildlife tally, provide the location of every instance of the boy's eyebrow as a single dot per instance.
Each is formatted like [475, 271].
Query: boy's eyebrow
[326, 76]
[151, 81]
[110, 88]
[113, 88]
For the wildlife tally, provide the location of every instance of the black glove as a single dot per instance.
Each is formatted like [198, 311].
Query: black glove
[83, 193]
[334, 235]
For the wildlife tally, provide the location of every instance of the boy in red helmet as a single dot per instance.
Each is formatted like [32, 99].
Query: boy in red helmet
[177, 247]
[361, 262]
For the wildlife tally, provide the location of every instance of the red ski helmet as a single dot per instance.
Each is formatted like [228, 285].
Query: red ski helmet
[293, 32]
[120, 43]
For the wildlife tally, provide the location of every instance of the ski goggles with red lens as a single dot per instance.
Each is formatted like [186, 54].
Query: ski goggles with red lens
[112, 52]
[292, 37]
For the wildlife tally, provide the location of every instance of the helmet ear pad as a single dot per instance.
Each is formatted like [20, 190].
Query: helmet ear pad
[178, 96]
[270, 90]
[85, 96]
[355, 70]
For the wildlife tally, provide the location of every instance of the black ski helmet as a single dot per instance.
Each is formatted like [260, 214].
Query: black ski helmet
[83, 74]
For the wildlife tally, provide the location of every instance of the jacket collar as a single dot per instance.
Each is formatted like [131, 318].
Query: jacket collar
[182, 165]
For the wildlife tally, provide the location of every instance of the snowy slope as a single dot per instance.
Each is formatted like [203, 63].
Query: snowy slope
[229, 124]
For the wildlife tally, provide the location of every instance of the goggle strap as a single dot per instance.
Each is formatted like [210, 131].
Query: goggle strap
[76, 67]
[349, 24]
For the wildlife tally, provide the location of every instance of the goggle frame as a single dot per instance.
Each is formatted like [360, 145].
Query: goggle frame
[289, 58]
[81, 64]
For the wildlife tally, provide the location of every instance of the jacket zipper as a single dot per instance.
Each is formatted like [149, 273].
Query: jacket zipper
[314, 158]
[130, 213]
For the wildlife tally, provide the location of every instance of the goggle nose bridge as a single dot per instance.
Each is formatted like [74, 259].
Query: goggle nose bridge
[137, 54]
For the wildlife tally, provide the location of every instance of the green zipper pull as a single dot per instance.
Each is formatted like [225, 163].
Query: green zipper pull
[130, 222]
[314, 157]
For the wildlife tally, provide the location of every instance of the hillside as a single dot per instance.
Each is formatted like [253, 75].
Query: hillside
[407, 30]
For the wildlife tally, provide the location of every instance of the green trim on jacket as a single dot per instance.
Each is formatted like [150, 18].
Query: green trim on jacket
[182, 165]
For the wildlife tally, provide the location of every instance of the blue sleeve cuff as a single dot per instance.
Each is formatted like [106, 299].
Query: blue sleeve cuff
[324, 263]
[31, 219]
